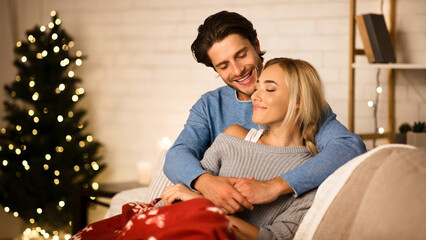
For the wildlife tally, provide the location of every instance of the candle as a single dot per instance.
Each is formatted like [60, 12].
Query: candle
[144, 172]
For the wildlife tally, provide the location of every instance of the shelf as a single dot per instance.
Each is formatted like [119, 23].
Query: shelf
[390, 65]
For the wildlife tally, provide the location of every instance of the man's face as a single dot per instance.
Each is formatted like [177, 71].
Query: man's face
[238, 63]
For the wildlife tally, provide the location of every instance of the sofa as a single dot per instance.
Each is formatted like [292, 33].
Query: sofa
[378, 195]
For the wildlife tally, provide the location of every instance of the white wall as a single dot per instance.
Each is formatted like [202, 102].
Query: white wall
[141, 80]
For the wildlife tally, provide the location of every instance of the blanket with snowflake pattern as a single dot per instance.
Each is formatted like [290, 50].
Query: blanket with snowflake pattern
[194, 219]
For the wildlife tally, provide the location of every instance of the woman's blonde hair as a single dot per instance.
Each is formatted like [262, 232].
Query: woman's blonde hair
[306, 98]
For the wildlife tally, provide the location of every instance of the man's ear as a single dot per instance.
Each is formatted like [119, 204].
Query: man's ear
[257, 46]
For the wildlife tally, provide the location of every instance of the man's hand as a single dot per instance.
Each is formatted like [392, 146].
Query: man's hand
[259, 192]
[178, 192]
[221, 192]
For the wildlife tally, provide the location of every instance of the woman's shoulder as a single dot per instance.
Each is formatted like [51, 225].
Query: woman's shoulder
[236, 131]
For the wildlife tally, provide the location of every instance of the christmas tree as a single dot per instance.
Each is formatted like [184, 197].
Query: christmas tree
[45, 152]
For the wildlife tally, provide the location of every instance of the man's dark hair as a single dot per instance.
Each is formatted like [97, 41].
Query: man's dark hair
[217, 27]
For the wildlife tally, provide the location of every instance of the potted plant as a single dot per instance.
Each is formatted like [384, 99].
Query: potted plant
[401, 137]
[417, 137]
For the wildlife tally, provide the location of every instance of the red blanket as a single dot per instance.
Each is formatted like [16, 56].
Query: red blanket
[194, 219]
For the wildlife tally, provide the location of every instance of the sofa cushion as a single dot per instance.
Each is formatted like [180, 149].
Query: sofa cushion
[370, 203]
[394, 205]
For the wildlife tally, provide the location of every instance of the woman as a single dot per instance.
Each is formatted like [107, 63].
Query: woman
[287, 103]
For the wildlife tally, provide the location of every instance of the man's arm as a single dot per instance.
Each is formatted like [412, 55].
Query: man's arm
[336, 147]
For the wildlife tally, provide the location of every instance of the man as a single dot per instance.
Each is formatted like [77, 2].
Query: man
[228, 43]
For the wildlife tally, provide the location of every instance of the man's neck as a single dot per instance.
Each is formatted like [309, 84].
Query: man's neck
[243, 97]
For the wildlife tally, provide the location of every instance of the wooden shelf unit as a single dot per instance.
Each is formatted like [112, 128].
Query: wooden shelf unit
[353, 52]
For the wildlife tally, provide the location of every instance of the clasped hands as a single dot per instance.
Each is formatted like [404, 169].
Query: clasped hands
[230, 194]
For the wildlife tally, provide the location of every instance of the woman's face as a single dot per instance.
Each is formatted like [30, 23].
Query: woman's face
[271, 98]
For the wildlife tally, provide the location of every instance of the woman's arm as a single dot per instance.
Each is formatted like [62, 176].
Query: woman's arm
[244, 230]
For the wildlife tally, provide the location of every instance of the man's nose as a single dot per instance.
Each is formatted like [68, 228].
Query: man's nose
[237, 69]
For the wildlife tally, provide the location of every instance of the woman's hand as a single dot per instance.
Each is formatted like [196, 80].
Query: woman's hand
[259, 192]
[178, 192]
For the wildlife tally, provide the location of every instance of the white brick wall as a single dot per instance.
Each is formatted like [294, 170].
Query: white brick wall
[141, 80]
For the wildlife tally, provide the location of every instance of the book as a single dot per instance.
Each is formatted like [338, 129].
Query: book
[375, 38]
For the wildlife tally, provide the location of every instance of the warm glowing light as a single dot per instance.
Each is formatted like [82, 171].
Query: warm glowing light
[71, 74]
[74, 98]
[6, 209]
[70, 114]
[31, 112]
[13, 94]
[44, 53]
[76, 168]
[56, 49]
[89, 138]
[50, 25]
[62, 87]
[3, 130]
[18, 78]
[56, 181]
[10, 146]
[42, 28]
[46, 167]
[65, 47]
[45, 110]
[57, 173]
[35, 96]
[54, 36]
[16, 214]
[18, 151]
[34, 132]
[39, 56]
[95, 166]
[59, 149]
[78, 53]
[381, 130]
[31, 39]
[61, 203]
[379, 90]
[23, 59]
[31, 83]
[68, 138]
[36, 119]
[53, 13]
[95, 186]
[18, 44]
[71, 44]
[39, 210]
[60, 118]
[27, 167]
[24, 163]
[65, 62]
[5, 162]
[78, 62]
[81, 143]
[32, 221]
[18, 128]
[58, 21]
[47, 157]
[79, 91]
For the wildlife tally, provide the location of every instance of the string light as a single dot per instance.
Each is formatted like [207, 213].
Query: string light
[74, 98]
[71, 44]
[56, 181]
[381, 130]
[81, 143]
[95, 166]
[53, 13]
[65, 47]
[56, 49]
[18, 44]
[78, 53]
[31, 38]
[36, 119]
[39, 56]
[31, 84]
[5, 162]
[68, 138]
[76, 168]
[7, 209]
[18, 128]
[59, 149]
[42, 28]
[18, 151]
[89, 138]
[47, 157]
[54, 36]
[62, 87]
[58, 21]
[46, 167]
[35, 96]
[23, 59]
[34, 132]
[79, 91]
[44, 53]
[71, 74]
[57, 173]
[60, 118]
[78, 62]
[50, 25]
[39, 210]
[379, 90]
[18, 78]
[95, 186]
[16, 214]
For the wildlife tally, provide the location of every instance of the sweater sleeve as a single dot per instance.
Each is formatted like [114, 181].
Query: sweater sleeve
[182, 163]
[336, 146]
[286, 224]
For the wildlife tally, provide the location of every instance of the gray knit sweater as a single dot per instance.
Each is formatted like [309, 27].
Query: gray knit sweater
[233, 157]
